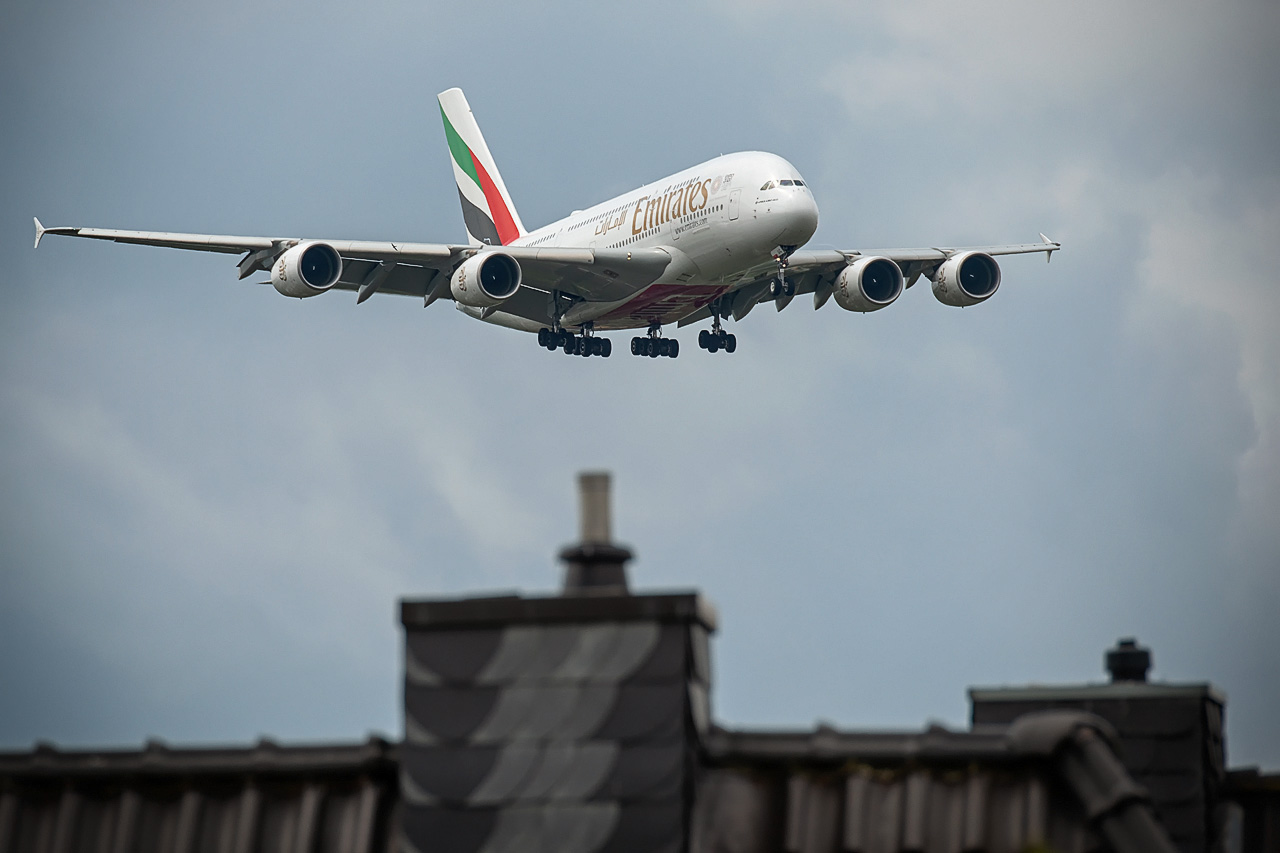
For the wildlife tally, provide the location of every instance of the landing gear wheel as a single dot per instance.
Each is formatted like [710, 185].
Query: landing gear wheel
[675, 349]
[781, 288]
[713, 343]
[703, 337]
[544, 335]
[606, 347]
[653, 347]
[635, 346]
[664, 347]
[569, 345]
[730, 343]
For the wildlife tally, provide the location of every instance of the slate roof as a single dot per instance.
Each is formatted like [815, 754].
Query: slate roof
[556, 723]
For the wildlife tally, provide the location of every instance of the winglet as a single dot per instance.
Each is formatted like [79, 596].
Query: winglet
[1051, 247]
[40, 229]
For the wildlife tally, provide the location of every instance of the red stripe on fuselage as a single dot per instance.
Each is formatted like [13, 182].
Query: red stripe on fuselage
[507, 230]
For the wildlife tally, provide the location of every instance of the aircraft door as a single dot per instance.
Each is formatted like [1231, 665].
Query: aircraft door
[734, 197]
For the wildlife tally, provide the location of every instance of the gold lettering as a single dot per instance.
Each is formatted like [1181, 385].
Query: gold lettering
[683, 207]
[705, 194]
[635, 225]
[651, 211]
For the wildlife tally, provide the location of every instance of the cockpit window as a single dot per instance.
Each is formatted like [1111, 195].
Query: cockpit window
[768, 185]
[799, 182]
[786, 183]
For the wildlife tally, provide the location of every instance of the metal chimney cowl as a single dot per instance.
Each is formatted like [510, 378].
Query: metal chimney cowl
[595, 565]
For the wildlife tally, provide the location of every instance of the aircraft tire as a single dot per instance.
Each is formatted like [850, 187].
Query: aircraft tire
[703, 337]
[713, 343]
[675, 348]
[544, 337]
[606, 347]
[730, 343]
[651, 347]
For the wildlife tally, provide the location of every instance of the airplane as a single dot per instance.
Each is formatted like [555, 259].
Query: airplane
[706, 243]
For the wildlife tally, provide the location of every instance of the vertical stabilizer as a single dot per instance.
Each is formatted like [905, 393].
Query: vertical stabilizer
[486, 207]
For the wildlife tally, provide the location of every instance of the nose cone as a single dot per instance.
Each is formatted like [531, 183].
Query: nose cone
[800, 219]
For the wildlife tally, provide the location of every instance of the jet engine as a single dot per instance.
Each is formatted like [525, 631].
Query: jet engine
[966, 279]
[485, 279]
[868, 284]
[307, 269]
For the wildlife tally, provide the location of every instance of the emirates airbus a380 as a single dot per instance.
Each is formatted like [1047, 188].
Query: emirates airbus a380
[706, 243]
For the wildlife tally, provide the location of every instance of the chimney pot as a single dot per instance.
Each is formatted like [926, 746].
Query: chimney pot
[593, 495]
[1128, 661]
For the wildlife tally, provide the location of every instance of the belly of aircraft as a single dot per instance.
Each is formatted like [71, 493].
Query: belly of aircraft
[660, 303]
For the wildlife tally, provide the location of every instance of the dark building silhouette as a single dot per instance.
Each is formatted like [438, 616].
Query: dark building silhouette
[581, 722]
[1172, 736]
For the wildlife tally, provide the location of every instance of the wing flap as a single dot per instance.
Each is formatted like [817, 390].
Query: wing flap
[414, 269]
[594, 275]
[942, 253]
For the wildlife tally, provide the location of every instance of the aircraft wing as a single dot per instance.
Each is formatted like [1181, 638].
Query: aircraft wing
[815, 270]
[421, 269]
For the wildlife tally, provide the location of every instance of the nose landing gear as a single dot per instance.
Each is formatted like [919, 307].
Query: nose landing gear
[780, 288]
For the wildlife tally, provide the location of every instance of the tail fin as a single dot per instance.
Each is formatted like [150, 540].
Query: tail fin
[486, 207]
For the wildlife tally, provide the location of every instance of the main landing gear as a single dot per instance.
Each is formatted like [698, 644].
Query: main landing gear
[654, 345]
[584, 345]
[716, 338]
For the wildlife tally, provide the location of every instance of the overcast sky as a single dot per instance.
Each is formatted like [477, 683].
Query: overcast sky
[213, 496]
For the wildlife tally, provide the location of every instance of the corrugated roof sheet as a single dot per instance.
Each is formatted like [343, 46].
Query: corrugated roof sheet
[158, 800]
[1052, 779]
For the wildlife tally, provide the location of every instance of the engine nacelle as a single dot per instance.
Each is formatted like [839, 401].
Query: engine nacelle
[868, 284]
[966, 279]
[307, 269]
[485, 279]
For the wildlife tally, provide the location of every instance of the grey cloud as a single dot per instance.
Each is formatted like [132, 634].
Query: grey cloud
[213, 495]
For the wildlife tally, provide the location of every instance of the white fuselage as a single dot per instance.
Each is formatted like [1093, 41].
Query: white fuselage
[719, 220]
